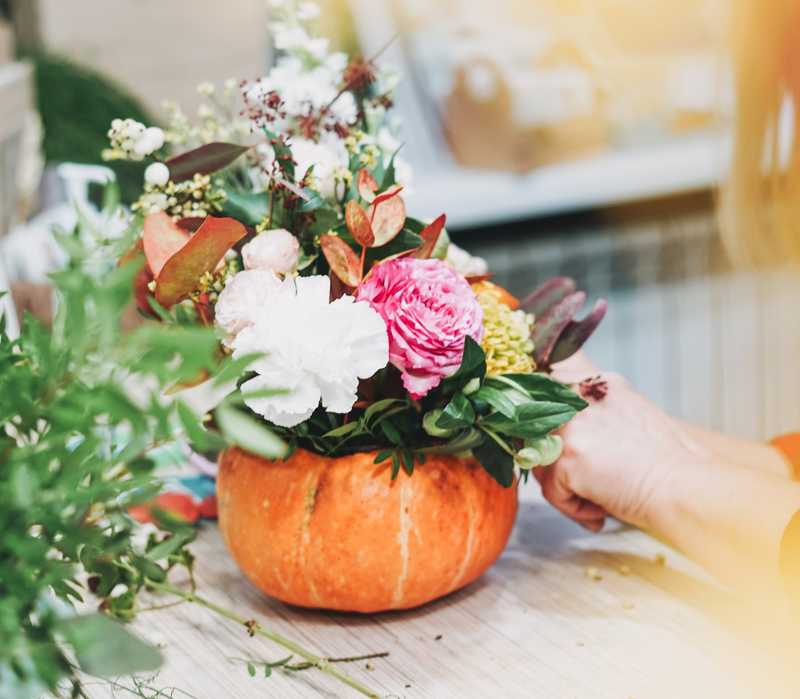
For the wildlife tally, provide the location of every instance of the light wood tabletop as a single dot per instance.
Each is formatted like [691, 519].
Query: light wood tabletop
[562, 614]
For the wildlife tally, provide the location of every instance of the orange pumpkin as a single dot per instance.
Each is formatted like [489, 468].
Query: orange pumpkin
[340, 534]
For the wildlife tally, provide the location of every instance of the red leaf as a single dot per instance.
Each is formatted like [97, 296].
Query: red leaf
[161, 240]
[191, 223]
[339, 288]
[387, 218]
[430, 236]
[204, 160]
[393, 191]
[181, 274]
[343, 261]
[358, 224]
[478, 278]
[367, 186]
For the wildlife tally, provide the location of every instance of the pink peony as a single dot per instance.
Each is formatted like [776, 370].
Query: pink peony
[278, 250]
[429, 311]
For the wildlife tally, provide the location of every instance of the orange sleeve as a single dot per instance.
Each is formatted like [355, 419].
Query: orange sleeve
[789, 446]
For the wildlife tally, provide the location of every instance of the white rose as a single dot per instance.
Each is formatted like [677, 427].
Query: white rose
[277, 250]
[242, 296]
[461, 261]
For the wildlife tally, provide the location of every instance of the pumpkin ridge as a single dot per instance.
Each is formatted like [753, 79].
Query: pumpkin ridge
[402, 540]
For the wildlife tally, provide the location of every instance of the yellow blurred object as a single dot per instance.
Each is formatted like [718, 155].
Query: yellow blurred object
[760, 203]
[527, 83]
[499, 293]
[506, 338]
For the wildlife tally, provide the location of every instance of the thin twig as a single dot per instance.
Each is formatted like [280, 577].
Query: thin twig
[253, 627]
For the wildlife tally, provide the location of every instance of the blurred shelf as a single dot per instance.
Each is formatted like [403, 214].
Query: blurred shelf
[474, 197]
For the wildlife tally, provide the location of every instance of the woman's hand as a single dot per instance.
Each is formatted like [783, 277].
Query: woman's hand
[618, 455]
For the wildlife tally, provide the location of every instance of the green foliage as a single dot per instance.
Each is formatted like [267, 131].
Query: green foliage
[80, 407]
[468, 414]
[77, 106]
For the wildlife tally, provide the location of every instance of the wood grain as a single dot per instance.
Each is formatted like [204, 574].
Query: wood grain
[534, 626]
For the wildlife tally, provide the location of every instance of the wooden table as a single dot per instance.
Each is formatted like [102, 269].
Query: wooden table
[637, 626]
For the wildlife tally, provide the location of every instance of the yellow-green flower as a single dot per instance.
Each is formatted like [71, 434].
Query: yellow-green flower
[506, 337]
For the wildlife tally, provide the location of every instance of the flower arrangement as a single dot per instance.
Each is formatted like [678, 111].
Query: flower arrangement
[372, 330]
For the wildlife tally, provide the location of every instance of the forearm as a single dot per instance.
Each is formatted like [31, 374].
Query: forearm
[741, 451]
[730, 519]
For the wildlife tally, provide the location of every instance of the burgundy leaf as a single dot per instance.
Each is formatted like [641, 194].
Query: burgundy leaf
[549, 327]
[547, 295]
[204, 160]
[577, 333]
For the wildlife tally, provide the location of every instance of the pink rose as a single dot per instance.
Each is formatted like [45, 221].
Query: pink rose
[429, 311]
[278, 250]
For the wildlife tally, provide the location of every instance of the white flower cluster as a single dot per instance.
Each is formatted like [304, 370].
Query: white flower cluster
[133, 140]
[313, 349]
[328, 157]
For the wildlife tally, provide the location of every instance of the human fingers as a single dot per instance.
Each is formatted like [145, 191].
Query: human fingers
[556, 491]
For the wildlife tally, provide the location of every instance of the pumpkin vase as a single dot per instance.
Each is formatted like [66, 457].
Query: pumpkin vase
[339, 533]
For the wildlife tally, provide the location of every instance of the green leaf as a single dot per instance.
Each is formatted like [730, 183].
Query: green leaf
[458, 413]
[532, 420]
[233, 369]
[251, 670]
[383, 456]
[194, 430]
[248, 433]
[473, 364]
[205, 160]
[496, 399]
[468, 439]
[103, 647]
[408, 460]
[378, 407]
[391, 432]
[497, 462]
[267, 669]
[542, 387]
[249, 209]
[395, 465]
[341, 431]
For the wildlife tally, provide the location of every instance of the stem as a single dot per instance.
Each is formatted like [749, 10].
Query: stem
[255, 628]
[497, 439]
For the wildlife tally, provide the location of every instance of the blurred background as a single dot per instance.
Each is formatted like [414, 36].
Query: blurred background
[561, 137]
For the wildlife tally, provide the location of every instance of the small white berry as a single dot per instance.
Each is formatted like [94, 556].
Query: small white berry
[157, 175]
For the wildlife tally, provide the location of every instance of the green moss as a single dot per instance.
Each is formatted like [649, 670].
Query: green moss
[77, 106]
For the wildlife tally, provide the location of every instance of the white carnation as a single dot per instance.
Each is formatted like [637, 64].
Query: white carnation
[277, 250]
[314, 349]
[242, 296]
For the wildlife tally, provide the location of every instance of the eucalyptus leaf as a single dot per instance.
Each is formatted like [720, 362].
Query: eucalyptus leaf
[103, 647]
[249, 434]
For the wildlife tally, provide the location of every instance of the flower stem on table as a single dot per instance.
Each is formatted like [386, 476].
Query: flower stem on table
[253, 628]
